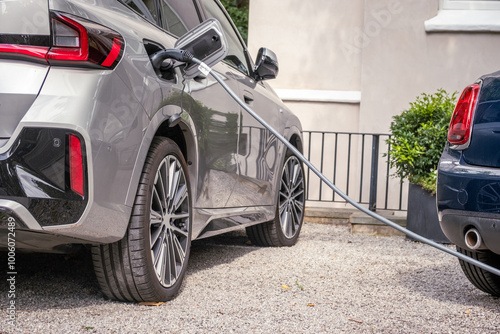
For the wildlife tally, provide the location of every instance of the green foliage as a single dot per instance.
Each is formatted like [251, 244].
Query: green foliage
[238, 10]
[419, 136]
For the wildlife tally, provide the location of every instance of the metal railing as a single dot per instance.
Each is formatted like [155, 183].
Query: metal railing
[357, 163]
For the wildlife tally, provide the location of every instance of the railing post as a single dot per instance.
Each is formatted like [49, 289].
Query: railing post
[372, 205]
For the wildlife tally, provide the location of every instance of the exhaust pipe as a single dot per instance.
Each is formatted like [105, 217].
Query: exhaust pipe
[473, 240]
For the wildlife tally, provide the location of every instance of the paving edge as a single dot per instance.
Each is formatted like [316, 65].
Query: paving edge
[359, 222]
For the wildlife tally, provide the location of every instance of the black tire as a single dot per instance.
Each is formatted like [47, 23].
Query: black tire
[480, 278]
[284, 230]
[149, 263]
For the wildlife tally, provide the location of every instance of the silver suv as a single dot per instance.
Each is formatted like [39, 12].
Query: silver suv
[99, 147]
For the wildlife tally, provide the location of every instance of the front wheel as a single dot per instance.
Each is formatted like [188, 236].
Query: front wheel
[149, 263]
[480, 278]
[284, 230]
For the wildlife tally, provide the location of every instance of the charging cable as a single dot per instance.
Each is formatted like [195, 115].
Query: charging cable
[206, 70]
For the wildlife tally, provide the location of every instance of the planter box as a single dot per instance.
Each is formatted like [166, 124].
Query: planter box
[422, 215]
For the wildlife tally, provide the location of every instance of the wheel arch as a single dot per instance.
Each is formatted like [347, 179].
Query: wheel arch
[173, 123]
[294, 136]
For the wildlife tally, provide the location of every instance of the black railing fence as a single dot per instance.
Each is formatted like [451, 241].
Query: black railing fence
[358, 164]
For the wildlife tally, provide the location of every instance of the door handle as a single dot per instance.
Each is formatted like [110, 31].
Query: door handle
[248, 100]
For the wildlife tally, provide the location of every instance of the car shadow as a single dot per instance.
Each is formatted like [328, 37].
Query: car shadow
[57, 281]
[450, 286]
[220, 249]
[53, 280]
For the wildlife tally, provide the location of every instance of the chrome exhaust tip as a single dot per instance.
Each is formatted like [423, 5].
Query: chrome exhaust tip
[473, 240]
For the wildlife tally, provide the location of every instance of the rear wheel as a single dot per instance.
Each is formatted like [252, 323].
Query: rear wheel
[149, 263]
[284, 230]
[480, 278]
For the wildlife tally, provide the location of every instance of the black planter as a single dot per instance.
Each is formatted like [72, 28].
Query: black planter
[422, 215]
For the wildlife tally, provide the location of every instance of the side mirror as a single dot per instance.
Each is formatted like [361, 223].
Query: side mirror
[266, 65]
[206, 42]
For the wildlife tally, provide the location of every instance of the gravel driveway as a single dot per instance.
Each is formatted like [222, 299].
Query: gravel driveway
[330, 282]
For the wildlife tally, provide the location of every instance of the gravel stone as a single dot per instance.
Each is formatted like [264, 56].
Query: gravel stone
[330, 282]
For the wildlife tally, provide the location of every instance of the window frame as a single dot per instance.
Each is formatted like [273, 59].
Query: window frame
[249, 62]
[465, 16]
[469, 5]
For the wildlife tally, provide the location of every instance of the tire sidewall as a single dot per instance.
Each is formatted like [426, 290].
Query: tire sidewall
[164, 148]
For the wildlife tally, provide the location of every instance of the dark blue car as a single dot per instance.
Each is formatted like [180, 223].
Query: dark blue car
[468, 188]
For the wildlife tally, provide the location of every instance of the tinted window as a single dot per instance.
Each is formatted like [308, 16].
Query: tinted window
[236, 56]
[171, 20]
[145, 8]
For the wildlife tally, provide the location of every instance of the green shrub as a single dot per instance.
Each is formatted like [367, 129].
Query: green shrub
[238, 10]
[418, 138]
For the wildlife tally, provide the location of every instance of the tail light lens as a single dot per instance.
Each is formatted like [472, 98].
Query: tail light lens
[74, 42]
[76, 167]
[461, 121]
[79, 42]
[25, 52]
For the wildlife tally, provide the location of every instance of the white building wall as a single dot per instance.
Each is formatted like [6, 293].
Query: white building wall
[378, 50]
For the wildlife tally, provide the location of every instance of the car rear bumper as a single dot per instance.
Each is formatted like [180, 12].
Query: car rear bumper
[34, 173]
[468, 196]
[456, 223]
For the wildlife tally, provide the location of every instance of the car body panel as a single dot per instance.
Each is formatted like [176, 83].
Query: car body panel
[25, 17]
[233, 162]
[18, 93]
[468, 186]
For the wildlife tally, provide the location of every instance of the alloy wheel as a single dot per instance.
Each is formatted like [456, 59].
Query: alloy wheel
[169, 221]
[291, 199]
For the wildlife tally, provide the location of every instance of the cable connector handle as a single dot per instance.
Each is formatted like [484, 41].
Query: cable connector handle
[175, 54]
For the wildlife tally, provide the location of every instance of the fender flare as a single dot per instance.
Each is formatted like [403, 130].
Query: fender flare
[158, 120]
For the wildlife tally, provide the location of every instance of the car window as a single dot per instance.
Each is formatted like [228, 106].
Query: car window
[236, 55]
[178, 16]
[145, 8]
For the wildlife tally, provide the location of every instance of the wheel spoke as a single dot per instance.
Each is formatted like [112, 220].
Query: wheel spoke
[181, 254]
[171, 259]
[181, 195]
[161, 183]
[173, 179]
[155, 218]
[159, 256]
[282, 207]
[178, 231]
[155, 234]
[157, 202]
[167, 272]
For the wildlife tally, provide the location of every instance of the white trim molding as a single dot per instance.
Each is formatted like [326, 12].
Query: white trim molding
[331, 96]
[470, 4]
[458, 20]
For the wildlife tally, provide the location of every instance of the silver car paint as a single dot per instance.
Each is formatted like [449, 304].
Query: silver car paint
[19, 87]
[24, 17]
[118, 128]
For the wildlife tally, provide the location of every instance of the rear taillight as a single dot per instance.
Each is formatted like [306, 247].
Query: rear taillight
[80, 42]
[461, 121]
[74, 42]
[76, 167]
[25, 52]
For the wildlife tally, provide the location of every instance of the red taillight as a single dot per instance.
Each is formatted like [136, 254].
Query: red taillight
[76, 171]
[74, 42]
[461, 121]
[80, 42]
[69, 40]
[24, 51]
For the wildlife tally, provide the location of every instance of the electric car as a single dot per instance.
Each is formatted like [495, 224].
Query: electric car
[468, 187]
[99, 147]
